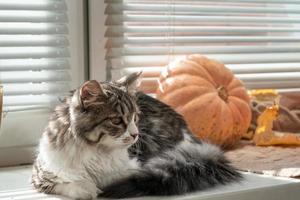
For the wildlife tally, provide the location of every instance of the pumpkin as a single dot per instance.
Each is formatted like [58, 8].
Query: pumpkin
[214, 103]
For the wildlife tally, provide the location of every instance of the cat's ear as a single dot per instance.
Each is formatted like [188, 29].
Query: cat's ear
[90, 92]
[131, 82]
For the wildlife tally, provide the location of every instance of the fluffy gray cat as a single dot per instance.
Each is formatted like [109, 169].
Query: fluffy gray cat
[108, 140]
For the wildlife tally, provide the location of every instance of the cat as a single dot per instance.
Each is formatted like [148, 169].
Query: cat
[108, 139]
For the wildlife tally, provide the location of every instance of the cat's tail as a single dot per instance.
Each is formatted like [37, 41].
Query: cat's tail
[191, 167]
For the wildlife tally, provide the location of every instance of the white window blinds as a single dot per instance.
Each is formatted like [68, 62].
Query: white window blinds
[259, 40]
[33, 53]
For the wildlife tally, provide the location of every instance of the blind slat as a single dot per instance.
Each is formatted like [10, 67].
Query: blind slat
[35, 88]
[119, 19]
[33, 52]
[264, 68]
[194, 30]
[29, 100]
[138, 61]
[33, 40]
[34, 77]
[32, 28]
[32, 5]
[120, 7]
[32, 16]
[119, 41]
[33, 64]
[235, 68]
[209, 1]
[294, 85]
[165, 50]
[270, 77]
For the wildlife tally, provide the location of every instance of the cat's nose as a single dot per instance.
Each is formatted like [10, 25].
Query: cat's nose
[134, 135]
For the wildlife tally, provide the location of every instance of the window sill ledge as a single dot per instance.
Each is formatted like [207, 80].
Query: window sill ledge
[14, 184]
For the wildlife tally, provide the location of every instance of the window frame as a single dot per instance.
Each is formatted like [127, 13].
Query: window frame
[16, 147]
[97, 40]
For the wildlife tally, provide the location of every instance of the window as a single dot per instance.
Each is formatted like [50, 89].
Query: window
[41, 58]
[259, 40]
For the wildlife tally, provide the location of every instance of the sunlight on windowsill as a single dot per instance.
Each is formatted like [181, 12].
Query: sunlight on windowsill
[15, 185]
[26, 194]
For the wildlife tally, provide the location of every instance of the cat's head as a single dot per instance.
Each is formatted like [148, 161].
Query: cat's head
[105, 114]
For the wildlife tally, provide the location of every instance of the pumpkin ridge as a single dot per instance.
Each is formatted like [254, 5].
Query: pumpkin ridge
[174, 92]
[195, 64]
[227, 121]
[216, 118]
[201, 96]
[239, 97]
[234, 83]
[216, 114]
[204, 68]
[164, 85]
[245, 105]
[191, 74]
[228, 72]
[197, 77]
[199, 86]
[197, 127]
[234, 113]
[210, 62]
[210, 98]
[237, 87]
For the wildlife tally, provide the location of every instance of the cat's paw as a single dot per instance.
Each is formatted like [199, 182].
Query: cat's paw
[82, 190]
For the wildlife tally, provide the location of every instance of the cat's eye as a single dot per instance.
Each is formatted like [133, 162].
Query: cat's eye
[116, 120]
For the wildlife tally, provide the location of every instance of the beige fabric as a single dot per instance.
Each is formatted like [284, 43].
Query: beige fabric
[277, 161]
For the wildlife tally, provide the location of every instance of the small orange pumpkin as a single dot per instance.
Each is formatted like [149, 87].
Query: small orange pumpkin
[212, 100]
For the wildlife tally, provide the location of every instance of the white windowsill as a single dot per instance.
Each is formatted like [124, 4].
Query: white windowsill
[14, 184]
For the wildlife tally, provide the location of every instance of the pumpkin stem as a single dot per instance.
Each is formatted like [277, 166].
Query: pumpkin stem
[222, 92]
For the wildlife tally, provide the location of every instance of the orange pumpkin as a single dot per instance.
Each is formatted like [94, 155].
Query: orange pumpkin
[212, 100]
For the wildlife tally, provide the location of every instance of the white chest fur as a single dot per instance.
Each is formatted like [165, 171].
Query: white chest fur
[86, 164]
[112, 166]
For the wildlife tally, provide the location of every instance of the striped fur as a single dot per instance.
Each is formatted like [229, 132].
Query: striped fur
[109, 140]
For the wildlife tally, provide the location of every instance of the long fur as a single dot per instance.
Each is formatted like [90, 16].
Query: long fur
[192, 166]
